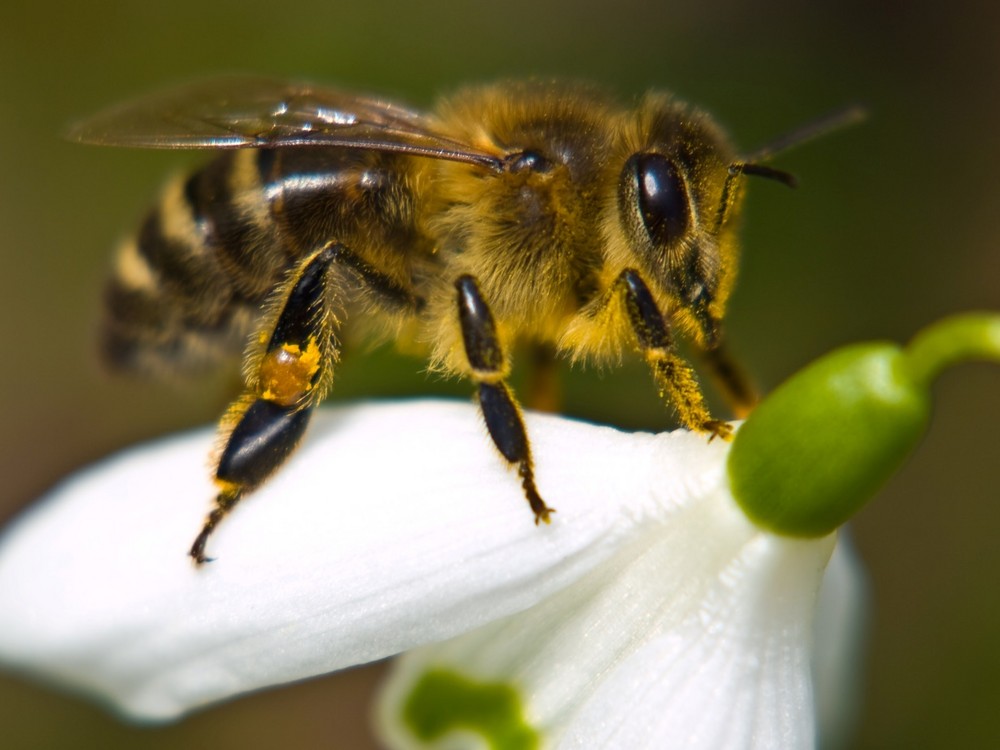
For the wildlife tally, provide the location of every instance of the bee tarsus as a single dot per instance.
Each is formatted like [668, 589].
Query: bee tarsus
[224, 501]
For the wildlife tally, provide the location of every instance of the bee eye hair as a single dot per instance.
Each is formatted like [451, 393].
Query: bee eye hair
[662, 196]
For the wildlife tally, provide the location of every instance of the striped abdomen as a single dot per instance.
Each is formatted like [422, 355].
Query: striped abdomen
[189, 287]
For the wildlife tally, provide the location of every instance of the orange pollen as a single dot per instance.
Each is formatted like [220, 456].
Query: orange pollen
[286, 373]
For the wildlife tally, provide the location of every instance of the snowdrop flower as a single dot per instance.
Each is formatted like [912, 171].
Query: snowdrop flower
[348, 556]
[672, 602]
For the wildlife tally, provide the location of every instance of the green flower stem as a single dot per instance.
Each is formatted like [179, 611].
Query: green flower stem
[960, 338]
[819, 447]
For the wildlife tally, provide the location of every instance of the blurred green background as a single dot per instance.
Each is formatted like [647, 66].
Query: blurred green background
[896, 223]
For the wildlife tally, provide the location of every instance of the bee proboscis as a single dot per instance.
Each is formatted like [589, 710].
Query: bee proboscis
[532, 212]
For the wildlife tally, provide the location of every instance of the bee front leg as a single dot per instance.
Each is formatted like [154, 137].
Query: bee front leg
[288, 370]
[500, 410]
[674, 377]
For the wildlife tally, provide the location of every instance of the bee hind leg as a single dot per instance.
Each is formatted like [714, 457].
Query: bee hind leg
[289, 368]
[499, 408]
[264, 435]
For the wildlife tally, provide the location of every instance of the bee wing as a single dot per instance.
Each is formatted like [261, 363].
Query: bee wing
[253, 112]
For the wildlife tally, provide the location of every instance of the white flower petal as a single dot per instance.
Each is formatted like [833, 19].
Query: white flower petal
[697, 634]
[838, 658]
[395, 525]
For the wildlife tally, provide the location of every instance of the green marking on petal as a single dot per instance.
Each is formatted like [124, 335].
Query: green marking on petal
[442, 701]
[819, 447]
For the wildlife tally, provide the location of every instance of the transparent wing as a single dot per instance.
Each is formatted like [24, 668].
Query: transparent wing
[254, 112]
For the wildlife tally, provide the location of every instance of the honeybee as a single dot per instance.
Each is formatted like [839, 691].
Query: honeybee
[526, 212]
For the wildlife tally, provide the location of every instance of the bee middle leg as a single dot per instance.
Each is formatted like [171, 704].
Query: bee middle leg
[674, 377]
[499, 408]
[730, 378]
[289, 370]
[543, 392]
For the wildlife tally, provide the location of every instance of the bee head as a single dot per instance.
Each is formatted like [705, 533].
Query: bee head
[679, 194]
[676, 204]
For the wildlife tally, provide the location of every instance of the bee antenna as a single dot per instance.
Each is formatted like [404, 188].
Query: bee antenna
[762, 170]
[836, 120]
[751, 164]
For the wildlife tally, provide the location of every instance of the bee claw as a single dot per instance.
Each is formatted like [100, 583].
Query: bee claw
[718, 429]
[543, 515]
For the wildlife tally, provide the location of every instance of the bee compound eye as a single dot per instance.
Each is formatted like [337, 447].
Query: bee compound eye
[662, 196]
